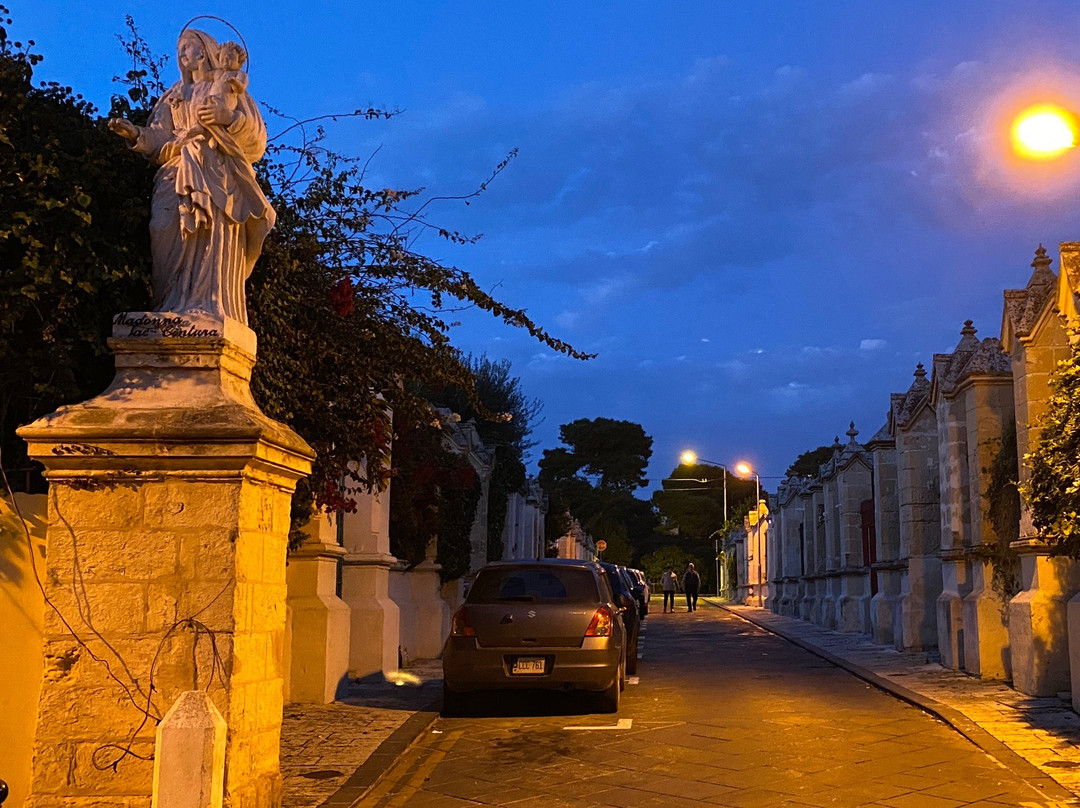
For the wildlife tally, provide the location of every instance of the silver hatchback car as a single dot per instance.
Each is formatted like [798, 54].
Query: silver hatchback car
[550, 624]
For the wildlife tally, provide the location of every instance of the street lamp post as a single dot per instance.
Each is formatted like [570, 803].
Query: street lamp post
[691, 459]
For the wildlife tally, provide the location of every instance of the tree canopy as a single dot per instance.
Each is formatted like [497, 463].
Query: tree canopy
[691, 501]
[808, 463]
[592, 478]
[74, 245]
[608, 454]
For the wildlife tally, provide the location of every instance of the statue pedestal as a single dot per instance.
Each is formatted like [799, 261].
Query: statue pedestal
[169, 508]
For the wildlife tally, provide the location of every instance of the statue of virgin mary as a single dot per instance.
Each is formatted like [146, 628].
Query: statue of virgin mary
[209, 216]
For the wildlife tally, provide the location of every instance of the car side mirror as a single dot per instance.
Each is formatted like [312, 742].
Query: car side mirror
[625, 603]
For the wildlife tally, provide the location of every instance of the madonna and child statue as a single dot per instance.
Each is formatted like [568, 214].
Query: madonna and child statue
[209, 216]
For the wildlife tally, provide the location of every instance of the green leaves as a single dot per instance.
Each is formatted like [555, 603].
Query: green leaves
[592, 479]
[1053, 490]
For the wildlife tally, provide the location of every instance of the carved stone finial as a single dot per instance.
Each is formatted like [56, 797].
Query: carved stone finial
[1041, 258]
[836, 443]
[920, 371]
[852, 432]
[969, 329]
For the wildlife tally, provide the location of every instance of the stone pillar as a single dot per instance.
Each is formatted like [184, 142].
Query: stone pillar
[889, 568]
[815, 537]
[1038, 620]
[831, 528]
[1041, 615]
[319, 619]
[955, 582]
[987, 390]
[169, 513]
[953, 483]
[919, 501]
[774, 568]
[400, 589]
[478, 534]
[433, 613]
[375, 619]
[986, 632]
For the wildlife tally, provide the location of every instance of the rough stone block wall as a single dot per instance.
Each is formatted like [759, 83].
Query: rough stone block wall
[128, 562]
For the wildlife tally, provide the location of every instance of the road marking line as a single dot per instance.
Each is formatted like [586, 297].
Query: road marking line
[395, 790]
[624, 723]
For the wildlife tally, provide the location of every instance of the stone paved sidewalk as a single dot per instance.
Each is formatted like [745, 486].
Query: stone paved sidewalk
[1043, 731]
[322, 745]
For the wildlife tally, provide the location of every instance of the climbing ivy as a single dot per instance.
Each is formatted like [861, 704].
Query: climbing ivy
[433, 499]
[1054, 488]
[1002, 499]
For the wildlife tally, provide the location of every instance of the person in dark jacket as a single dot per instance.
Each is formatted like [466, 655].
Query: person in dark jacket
[691, 583]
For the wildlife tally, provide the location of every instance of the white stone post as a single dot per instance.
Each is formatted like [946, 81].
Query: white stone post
[433, 614]
[319, 619]
[365, 586]
[189, 754]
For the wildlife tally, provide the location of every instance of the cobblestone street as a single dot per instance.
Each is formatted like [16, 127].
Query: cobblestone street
[1045, 732]
[322, 745]
[725, 714]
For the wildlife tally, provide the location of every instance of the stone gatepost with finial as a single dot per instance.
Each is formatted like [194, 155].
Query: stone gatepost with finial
[170, 492]
[1034, 334]
[972, 392]
[914, 427]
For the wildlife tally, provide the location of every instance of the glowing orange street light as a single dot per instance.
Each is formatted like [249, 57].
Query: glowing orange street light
[1044, 132]
[688, 458]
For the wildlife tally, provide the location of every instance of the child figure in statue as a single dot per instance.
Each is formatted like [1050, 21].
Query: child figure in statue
[230, 81]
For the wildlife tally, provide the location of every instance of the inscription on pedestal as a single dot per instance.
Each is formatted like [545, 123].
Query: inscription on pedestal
[156, 326]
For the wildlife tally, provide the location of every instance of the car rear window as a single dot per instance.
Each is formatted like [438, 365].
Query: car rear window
[534, 584]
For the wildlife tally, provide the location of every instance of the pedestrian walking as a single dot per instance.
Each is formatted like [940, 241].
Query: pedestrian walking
[691, 583]
[667, 583]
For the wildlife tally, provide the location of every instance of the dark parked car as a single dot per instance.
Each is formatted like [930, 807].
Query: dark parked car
[550, 624]
[640, 588]
[628, 605]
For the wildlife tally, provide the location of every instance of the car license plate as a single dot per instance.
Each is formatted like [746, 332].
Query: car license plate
[524, 666]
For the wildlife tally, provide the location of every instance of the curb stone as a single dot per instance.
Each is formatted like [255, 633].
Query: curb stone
[1040, 781]
[360, 782]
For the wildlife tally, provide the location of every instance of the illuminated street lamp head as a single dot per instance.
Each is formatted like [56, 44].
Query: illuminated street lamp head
[688, 458]
[1043, 132]
[744, 469]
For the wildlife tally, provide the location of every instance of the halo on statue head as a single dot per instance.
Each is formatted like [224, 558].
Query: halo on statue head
[247, 50]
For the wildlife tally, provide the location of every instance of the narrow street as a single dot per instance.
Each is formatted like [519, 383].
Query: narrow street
[724, 714]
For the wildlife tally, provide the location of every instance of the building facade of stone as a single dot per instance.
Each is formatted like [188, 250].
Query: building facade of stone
[903, 538]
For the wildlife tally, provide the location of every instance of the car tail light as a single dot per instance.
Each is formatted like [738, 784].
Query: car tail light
[603, 622]
[459, 625]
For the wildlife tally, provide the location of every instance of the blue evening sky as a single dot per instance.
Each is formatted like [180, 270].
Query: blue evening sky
[760, 214]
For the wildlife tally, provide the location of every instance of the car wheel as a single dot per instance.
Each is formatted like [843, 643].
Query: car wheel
[609, 699]
[453, 703]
